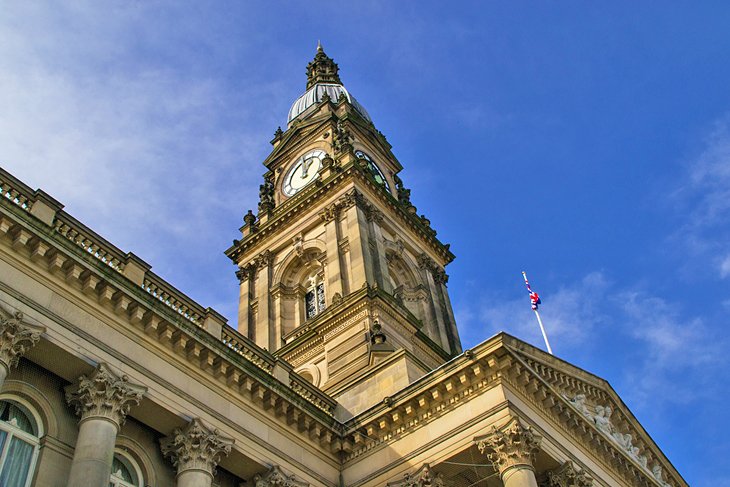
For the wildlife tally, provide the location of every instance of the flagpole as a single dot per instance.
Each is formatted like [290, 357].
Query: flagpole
[544, 335]
[537, 314]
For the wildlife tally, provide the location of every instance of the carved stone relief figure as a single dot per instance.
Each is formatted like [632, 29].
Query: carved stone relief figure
[602, 418]
[579, 402]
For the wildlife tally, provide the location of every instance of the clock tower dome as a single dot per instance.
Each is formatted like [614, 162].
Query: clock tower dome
[338, 274]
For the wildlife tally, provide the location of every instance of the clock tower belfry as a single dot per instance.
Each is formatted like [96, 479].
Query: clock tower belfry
[338, 274]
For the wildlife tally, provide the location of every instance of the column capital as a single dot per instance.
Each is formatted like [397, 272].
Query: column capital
[16, 337]
[275, 477]
[104, 395]
[196, 447]
[423, 477]
[510, 446]
[567, 475]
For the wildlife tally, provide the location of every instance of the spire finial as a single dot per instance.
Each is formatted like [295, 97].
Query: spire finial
[322, 69]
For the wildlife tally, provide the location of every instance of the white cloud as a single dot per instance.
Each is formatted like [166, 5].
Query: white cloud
[725, 267]
[658, 355]
[569, 315]
[142, 150]
[704, 200]
[676, 354]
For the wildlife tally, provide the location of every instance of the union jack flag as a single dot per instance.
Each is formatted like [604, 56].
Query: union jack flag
[534, 298]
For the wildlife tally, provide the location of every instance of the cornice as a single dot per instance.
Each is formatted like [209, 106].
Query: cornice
[231, 359]
[490, 364]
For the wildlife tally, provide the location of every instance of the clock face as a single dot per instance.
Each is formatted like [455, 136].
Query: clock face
[303, 172]
[375, 171]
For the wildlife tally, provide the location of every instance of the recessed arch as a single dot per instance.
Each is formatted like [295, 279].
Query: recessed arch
[38, 402]
[140, 460]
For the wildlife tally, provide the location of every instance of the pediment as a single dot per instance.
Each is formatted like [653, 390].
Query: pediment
[594, 401]
[297, 136]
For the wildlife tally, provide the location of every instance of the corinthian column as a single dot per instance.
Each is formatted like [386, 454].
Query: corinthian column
[511, 449]
[102, 400]
[195, 450]
[16, 337]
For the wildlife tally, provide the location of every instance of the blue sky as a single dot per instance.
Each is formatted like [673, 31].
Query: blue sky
[586, 143]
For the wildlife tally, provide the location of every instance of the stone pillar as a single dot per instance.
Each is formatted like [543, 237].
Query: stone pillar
[16, 337]
[102, 400]
[511, 449]
[195, 451]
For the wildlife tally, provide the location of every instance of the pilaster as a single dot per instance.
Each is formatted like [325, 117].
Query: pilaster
[263, 334]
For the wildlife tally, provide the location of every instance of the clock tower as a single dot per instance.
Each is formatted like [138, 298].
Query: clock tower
[338, 273]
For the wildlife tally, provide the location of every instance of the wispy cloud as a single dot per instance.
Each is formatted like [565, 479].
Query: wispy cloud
[704, 201]
[666, 354]
[142, 151]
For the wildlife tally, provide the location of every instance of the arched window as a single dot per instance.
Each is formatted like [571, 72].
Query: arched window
[314, 298]
[125, 471]
[19, 434]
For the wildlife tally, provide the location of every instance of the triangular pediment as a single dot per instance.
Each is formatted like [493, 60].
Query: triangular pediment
[296, 137]
[592, 403]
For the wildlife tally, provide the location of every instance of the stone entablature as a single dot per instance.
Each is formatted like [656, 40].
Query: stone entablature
[104, 395]
[196, 447]
[475, 371]
[434, 395]
[228, 357]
